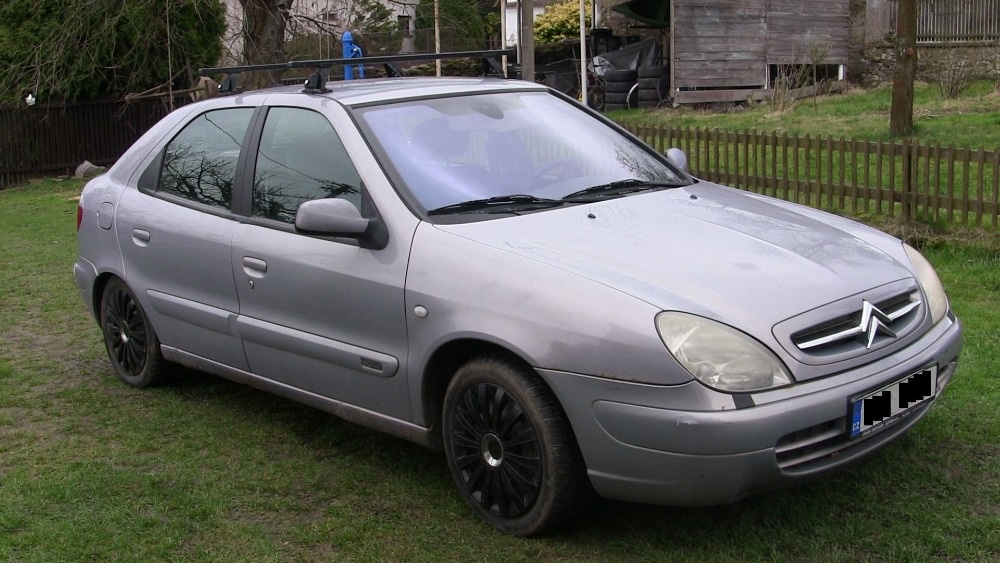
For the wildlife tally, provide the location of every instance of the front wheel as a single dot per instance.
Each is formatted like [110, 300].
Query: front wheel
[510, 448]
[132, 345]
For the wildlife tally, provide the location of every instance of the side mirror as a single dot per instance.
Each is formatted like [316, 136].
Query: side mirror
[332, 217]
[336, 217]
[678, 158]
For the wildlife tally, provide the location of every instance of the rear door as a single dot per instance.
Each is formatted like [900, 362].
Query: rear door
[316, 313]
[175, 237]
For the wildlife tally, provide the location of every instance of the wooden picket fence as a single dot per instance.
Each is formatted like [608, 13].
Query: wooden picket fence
[905, 178]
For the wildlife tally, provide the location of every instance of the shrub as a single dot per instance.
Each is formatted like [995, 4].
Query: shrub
[952, 69]
[560, 22]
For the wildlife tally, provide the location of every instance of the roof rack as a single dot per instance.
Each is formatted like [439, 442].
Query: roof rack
[316, 82]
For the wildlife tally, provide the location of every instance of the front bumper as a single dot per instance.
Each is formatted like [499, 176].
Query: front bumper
[660, 445]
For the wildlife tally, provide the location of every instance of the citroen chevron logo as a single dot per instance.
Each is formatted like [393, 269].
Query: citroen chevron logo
[873, 322]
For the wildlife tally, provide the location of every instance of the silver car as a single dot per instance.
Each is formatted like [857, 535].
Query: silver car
[486, 267]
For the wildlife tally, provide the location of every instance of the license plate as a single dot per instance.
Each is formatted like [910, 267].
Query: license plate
[884, 406]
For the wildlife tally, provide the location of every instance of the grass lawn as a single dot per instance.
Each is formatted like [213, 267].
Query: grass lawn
[972, 121]
[206, 469]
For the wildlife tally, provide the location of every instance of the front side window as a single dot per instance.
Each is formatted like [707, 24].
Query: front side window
[301, 158]
[199, 164]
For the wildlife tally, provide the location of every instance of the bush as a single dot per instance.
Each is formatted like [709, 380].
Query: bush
[560, 22]
[992, 63]
[952, 69]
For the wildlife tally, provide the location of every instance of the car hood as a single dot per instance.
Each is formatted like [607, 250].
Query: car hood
[743, 259]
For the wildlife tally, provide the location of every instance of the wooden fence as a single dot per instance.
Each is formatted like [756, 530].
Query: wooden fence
[52, 140]
[909, 179]
[955, 21]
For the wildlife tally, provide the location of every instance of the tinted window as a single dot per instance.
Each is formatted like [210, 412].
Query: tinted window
[301, 158]
[199, 164]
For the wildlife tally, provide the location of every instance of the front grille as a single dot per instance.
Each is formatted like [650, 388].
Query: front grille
[868, 327]
[811, 444]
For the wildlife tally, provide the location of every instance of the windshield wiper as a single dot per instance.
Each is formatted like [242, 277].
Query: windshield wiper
[498, 204]
[619, 188]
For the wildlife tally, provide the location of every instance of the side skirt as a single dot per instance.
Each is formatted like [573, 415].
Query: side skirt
[364, 417]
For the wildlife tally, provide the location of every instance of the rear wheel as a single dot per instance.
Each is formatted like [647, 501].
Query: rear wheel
[132, 344]
[510, 448]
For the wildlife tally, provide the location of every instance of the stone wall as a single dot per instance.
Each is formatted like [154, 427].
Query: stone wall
[879, 60]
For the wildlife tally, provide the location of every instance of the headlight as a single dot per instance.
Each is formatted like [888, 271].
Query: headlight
[720, 356]
[928, 279]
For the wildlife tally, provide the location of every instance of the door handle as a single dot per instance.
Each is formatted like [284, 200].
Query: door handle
[254, 267]
[140, 237]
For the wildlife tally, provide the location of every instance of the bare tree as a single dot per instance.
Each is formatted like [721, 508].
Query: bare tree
[264, 24]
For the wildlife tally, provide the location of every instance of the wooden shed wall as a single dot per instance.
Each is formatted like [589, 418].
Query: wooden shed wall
[796, 27]
[719, 43]
[729, 43]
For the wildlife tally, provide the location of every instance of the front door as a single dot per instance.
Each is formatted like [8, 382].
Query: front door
[317, 314]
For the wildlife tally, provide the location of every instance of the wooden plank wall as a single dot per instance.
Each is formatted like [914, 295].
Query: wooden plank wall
[727, 44]
[719, 43]
[938, 21]
[879, 18]
[795, 28]
[958, 21]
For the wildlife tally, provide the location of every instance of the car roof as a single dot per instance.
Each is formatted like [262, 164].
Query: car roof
[361, 92]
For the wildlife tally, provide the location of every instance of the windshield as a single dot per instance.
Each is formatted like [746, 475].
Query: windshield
[532, 146]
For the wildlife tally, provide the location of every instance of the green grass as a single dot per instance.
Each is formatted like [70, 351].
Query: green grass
[972, 121]
[205, 469]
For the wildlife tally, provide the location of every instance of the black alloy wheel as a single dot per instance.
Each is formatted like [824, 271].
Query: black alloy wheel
[510, 448]
[132, 344]
[496, 451]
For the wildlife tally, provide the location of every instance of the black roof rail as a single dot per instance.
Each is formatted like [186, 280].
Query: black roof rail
[316, 83]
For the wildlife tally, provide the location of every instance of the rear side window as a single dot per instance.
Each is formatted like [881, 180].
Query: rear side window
[301, 158]
[199, 164]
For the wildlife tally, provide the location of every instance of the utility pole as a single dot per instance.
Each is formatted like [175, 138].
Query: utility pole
[901, 113]
[527, 51]
[437, 36]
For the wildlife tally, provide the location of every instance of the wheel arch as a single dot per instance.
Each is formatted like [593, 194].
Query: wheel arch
[97, 293]
[441, 368]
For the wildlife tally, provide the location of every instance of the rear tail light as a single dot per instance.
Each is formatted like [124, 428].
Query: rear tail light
[79, 216]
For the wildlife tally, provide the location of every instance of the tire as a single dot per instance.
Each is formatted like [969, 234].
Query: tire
[654, 83]
[618, 87]
[648, 96]
[613, 107]
[612, 75]
[132, 344]
[615, 98]
[652, 71]
[510, 448]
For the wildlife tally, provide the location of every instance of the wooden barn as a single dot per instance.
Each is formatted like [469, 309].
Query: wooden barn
[732, 50]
